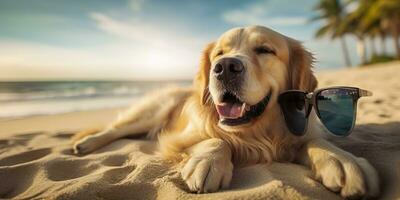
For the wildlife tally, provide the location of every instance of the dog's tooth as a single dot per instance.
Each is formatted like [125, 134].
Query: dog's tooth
[247, 107]
[243, 109]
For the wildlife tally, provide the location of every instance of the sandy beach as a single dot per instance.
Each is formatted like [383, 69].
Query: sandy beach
[36, 160]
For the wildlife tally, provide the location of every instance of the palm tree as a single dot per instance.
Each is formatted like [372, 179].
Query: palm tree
[373, 33]
[351, 24]
[387, 12]
[382, 36]
[332, 12]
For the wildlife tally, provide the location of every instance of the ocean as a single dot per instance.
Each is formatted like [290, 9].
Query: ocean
[24, 99]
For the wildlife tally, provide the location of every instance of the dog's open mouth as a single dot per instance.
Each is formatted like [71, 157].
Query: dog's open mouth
[232, 111]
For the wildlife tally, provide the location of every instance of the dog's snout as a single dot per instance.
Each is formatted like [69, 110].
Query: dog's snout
[228, 68]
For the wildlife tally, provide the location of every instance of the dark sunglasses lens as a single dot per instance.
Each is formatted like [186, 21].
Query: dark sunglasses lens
[294, 111]
[336, 110]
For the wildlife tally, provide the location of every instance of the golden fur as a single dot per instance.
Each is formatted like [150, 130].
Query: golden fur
[260, 141]
[186, 122]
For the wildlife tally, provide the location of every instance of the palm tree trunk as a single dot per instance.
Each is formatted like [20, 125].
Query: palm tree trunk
[361, 51]
[396, 37]
[345, 52]
[383, 44]
[373, 47]
[396, 44]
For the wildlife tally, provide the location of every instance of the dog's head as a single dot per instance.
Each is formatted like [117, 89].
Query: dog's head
[243, 72]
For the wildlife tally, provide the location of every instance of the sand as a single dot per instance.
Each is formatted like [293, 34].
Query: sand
[36, 160]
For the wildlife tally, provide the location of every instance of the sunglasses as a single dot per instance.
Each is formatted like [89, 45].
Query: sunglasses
[336, 107]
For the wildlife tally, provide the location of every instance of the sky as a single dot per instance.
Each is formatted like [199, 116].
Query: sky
[139, 39]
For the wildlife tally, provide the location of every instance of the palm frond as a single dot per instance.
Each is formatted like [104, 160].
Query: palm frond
[324, 30]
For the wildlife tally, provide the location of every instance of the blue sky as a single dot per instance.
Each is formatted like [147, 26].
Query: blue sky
[138, 39]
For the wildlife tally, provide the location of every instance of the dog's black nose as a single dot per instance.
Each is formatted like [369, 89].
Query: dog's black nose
[228, 68]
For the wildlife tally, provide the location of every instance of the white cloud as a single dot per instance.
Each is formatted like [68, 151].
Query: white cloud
[22, 59]
[162, 48]
[352, 6]
[137, 32]
[26, 60]
[142, 51]
[29, 53]
[258, 13]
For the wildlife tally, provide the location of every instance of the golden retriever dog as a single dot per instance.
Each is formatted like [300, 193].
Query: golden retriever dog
[231, 118]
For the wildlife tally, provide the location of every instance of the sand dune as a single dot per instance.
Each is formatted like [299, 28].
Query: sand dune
[36, 159]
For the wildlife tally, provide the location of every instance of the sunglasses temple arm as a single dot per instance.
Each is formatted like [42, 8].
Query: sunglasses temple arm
[365, 93]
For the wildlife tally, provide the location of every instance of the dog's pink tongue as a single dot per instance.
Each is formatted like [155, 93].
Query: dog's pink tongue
[230, 110]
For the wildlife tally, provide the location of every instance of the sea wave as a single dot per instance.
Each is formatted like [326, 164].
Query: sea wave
[24, 99]
[22, 109]
[89, 92]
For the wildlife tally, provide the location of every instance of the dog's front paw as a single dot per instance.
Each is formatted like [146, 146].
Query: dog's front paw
[209, 171]
[88, 144]
[353, 177]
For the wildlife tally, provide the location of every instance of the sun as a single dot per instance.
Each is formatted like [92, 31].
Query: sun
[159, 59]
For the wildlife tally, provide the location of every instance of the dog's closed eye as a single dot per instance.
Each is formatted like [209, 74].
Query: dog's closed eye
[264, 50]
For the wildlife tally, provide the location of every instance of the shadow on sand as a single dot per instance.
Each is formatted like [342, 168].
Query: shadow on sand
[380, 145]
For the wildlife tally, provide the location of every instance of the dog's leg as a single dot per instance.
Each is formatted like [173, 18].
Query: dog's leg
[148, 116]
[205, 164]
[209, 166]
[102, 138]
[339, 170]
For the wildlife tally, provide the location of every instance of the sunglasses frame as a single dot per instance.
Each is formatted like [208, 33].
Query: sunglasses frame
[311, 101]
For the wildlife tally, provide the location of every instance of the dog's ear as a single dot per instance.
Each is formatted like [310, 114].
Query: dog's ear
[202, 79]
[301, 76]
